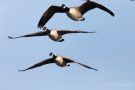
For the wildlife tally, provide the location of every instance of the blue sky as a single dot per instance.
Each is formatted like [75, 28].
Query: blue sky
[111, 50]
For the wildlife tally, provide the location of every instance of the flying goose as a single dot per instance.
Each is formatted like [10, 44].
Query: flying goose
[55, 35]
[58, 60]
[75, 13]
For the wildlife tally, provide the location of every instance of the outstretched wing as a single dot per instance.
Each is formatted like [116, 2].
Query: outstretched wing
[86, 66]
[91, 5]
[47, 61]
[48, 14]
[72, 61]
[41, 33]
[62, 32]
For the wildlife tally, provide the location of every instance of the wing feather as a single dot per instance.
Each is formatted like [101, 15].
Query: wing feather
[72, 61]
[41, 33]
[91, 5]
[47, 61]
[62, 32]
[48, 14]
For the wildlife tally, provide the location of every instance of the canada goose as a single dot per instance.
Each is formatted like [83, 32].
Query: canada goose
[58, 60]
[75, 13]
[55, 35]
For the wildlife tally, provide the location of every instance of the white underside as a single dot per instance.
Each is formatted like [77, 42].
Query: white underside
[60, 61]
[54, 35]
[74, 14]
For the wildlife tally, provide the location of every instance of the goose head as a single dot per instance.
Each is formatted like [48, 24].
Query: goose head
[46, 29]
[65, 7]
[51, 54]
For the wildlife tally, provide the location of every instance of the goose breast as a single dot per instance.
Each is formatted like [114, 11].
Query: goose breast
[60, 61]
[74, 14]
[54, 35]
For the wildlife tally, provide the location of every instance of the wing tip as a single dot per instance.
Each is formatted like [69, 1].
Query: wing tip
[95, 69]
[10, 37]
[39, 26]
[21, 70]
[113, 14]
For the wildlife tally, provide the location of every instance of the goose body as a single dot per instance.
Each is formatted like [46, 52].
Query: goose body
[75, 13]
[53, 34]
[58, 60]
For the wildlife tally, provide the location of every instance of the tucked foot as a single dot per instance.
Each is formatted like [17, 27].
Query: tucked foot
[61, 40]
[68, 65]
[82, 19]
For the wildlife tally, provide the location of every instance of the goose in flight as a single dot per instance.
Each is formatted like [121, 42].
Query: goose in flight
[53, 34]
[58, 60]
[75, 13]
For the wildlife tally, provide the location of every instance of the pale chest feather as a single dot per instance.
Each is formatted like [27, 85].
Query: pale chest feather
[54, 35]
[74, 14]
[60, 61]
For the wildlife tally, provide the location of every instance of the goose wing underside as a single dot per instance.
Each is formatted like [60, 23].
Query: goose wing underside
[91, 5]
[47, 61]
[48, 14]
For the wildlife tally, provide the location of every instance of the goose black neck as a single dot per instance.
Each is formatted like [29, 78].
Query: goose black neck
[48, 31]
[54, 56]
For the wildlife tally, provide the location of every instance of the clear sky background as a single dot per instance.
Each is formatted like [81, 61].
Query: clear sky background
[111, 50]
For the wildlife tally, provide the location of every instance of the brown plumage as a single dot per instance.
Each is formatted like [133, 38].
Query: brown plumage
[75, 13]
[53, 34]
[58, 60]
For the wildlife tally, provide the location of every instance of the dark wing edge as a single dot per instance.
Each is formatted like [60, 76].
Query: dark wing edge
[86, 66]
[48, 14]
[105, 9]
[62, 32]
[73, 61]
[91, 5]
[41, 33]
[86, 6]
[47, 61]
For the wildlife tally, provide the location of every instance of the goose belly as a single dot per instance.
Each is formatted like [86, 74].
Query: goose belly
[74, 14]
[55, 36]
[60, 62]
